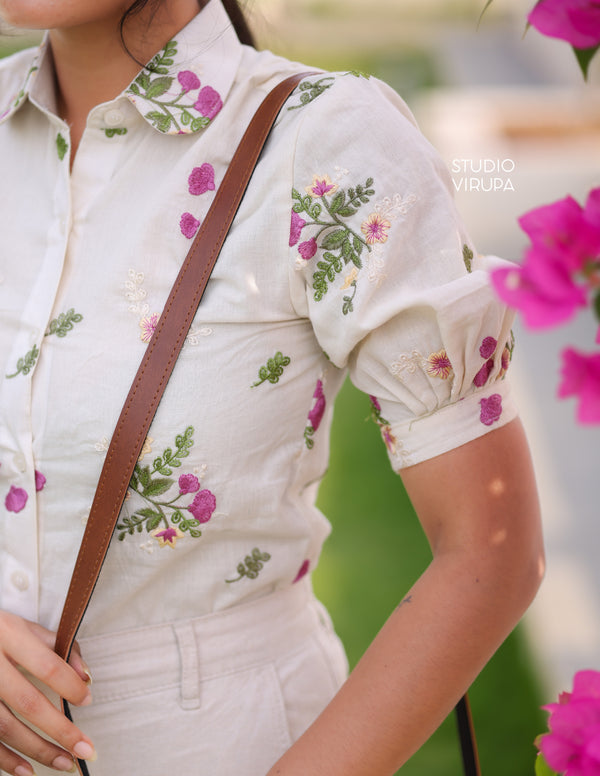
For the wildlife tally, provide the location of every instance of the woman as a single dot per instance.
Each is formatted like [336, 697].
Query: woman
[208, 652]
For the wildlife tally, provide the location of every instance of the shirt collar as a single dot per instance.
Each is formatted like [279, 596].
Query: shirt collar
[180, 91]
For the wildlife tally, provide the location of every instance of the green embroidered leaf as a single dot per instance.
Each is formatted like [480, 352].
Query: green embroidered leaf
[308, 433]
[146, 513]
[61, 146]
[347, 306]
[143, 80]
[153, 523]
[346, 211]
[160, 120]
[357, 245]
[143, 475]
[251, 566]
[185, 117]
[334, 239]
[337, 202]
[468, 257]
[195, 532]
[133, 482]
[346, 250]
[133, 88]
[273, 369]
[158, 486]
[62, 325]
[356, 260]
[26, 364]
[199, 123]
[115, 131]
[158, 87]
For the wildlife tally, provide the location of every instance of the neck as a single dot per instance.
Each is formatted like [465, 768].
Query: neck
[92, 66]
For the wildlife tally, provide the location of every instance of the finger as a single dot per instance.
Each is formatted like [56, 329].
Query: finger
[33, 706]
[28, 743]
[76, 661]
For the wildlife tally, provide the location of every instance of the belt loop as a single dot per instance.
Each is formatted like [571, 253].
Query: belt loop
[190, 674]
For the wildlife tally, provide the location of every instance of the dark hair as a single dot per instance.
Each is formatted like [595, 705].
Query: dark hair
[238, 20]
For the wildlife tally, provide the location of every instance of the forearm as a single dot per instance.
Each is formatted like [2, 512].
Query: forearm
[431, 648]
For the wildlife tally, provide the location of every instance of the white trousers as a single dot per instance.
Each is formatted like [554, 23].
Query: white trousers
[220, 695]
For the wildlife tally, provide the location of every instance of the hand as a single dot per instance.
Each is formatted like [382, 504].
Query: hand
[28, 646]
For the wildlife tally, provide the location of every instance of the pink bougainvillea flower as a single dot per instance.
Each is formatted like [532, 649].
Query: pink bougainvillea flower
[40, 481]
[302, 571]
[572, 746]
[321, 185]
[482, 376]
[315, 416]
[167, 537]
[202, 179]
[488, 347]
[576, 21]
[203, 506]
[15, 500]
[375, 229]
[148, 326]
[296, 227]
[208, 103]
[438, 365]
[188, 80]
[542, 289]
[308, 249]
[581, 378]
[188, 483]
[188, 225]
[491, 409]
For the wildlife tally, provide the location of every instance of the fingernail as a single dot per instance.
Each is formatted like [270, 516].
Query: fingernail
[87, 700]
[64, 763]
[87, 672]
[85, 751]
[24, 770]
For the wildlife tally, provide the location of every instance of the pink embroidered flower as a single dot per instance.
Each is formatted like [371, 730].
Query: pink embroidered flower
[315, 416]
[389, 439]
[488, 347]
[321, 185]
[188, 225]
[40, 481]
[208, 103]
[188, 483]
[482, 376]
[438, 365]
[375, 403]
[202, 179]
[188, 80]
[581, 378]
[203, 506]
[491, 409]
[572, 746]
[296, 227]
[302, 571]
[16, 499]
[167, 537]
[576, 21]
[308, 249]
[375, 229]
[148, 326]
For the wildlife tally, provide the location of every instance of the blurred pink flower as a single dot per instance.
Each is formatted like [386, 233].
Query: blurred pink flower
[572, 747]
[491, 409]
[576, 21]
[581, 377]
[203, 506]
[208, 102]
[16, 499]
[315, 416]
[188, 80]
[40, 480]
[488, 347]
[188, 483]
[296, 227]
[308, 249]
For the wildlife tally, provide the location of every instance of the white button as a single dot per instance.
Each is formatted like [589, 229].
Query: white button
[19, 580]
[20, 462]
[113, 118]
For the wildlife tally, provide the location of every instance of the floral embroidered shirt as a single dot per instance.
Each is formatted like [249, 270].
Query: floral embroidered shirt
[345, 256]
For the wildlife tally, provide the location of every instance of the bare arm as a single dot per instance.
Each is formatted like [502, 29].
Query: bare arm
[479, 509]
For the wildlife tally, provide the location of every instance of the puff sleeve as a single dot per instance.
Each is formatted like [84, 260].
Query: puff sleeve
[380, 263]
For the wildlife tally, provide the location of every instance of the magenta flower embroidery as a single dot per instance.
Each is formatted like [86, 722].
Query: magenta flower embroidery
[438, 365]
[203, 506]
[321, 185]
[202, 179]
[482, 376]
[40, 481]
[315, 416]
[375, 403]
[488, 347]
[188, 225]
[302, 571]
[375, 229]
[167, 537]
[16, 499]
[188, 483]
[188, 80]
[148, 326]
[208, 103]
[572, 746]
[581, 378]
[576, 21]
[296, 228]
[308, 249]
[389, 439]
[491, 409]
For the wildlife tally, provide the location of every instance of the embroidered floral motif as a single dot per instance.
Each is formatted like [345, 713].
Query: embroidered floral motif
[202, 179]
[384, 425]
[407, 362]
[315, 416]
[146, 448]
[60, 326]
[40, 481]
[112, 131]
[491, 409]
[148, 326]
[358, 74]
[176, 113]
[488, 347]
[16, 499]
[102, 445]
[135, 293]
[309, 90]
[61, 146]
[468, 257]
[375, 229]
[273, 369]
[164, 499]
[482, 376]
[302, 571]
[388, 210]
[438, 365]
[188, 224]
[341, 244]
[251, 566]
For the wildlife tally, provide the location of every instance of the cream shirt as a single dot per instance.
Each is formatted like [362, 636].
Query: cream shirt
[346, 255]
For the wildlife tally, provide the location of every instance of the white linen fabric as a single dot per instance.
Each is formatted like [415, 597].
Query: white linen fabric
[346, 256]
